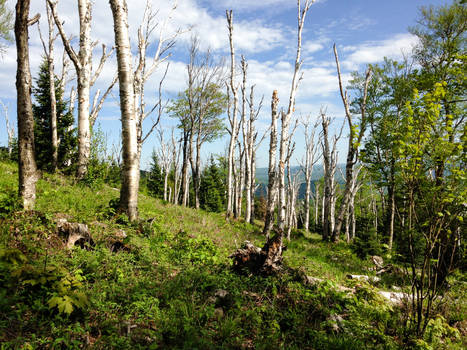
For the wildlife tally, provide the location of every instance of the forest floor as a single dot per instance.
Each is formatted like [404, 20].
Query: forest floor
[166, 282]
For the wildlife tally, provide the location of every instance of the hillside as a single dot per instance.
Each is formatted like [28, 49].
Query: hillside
[166, 282]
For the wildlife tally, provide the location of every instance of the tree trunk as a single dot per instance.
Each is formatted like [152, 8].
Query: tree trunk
[271, 200]
[28, 175]
[354, 141]
[233, 121]
[53, 101]
[130, 171]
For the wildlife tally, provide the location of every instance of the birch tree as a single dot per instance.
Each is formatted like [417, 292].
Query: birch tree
[28, 174]
[82, 62]
[234, 124]
[272, 168]
[286, 116]
[329, 150]
[9, 129]
[310, 160]
[130, 170]
[355, 138]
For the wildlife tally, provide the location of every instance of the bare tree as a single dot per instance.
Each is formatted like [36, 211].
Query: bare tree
[272, 168]
[234, 124]
[286, 116]
[329, 150]
[28, 174]
[130, 171]
[165, 153]
[311, 150]
[82, 62]
[354, 142]
[9, 128]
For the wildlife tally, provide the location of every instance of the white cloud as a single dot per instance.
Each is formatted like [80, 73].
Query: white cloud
[375, 51]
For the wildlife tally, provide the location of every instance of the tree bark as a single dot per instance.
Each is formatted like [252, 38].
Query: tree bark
[233, 120]
[28, 175]
[354, 141]
[272, 177]
[130, 171]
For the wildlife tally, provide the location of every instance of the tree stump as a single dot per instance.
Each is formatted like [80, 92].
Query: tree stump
[266, 260]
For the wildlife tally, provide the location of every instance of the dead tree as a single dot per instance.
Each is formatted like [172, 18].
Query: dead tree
[176, 150]
[272, 168]
[28, 174]
[130, 170]
[329, 150]
[82, 62]
[234, 124]
[310, 160]
[286, 116]
[251, 146]
[354, 142]
[9, 129]
[165, 153]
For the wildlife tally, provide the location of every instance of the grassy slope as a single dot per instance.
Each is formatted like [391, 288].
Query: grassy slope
[161, 291]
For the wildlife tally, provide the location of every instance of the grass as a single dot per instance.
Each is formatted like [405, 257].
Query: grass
[162, 290]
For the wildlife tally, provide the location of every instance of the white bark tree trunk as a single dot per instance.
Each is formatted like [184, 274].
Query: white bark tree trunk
[233, 120]
[28, 175]
[130, 171]
[272, 192]
[284, 141]
[354, 141]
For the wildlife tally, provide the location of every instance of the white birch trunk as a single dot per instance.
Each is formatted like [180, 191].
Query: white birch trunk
[233, 120]
[130, 171]
[28, 175]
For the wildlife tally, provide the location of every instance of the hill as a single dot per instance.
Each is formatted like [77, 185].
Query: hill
[166, 281]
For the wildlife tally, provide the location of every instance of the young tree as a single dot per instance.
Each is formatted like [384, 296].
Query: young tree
[198, 110]
[212, 188]
[28, 174]
[130, 167]
[44, 126]
[155, 181]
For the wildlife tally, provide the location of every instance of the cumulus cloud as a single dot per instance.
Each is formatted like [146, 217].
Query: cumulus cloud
[374, 51]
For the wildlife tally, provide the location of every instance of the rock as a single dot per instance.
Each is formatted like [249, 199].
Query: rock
[335, 322]
[76, 233]
[378, 261]
[218, 312]
[221, 293]
[369, 279]
[397, 298]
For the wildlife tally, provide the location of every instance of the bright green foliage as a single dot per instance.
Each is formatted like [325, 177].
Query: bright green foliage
[155, 178]
[67, 146]
[212, 188]
[102, 168]
[204, 117]
[6, 22]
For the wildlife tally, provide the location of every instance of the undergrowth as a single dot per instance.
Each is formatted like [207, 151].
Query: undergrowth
[169, 284]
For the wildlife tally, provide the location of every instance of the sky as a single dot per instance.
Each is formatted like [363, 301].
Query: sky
[265, 32]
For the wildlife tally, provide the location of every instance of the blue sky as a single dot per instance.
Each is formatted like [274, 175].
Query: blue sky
[265, 33]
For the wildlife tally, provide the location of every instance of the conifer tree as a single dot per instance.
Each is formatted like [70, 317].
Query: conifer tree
[155, 178]
[212, 188]
[67, 140]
